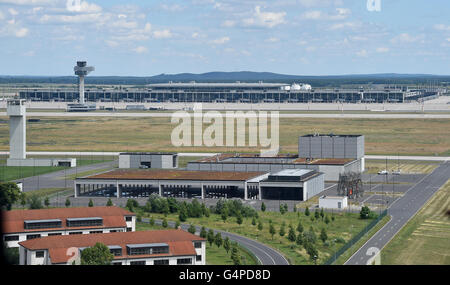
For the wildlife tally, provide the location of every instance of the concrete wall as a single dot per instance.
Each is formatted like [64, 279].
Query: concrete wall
[331, 171]
[313, 186]
[333, 202]
[331, 147]
[164, 161]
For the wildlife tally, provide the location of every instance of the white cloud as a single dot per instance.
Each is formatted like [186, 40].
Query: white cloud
[163, 34]
[82, 7]
[220, 41]
[442, 27]
[29, 53]
[172, 8]
[140, 49]
[341, 14]
[13, 28]
[339, 26]
[362, 53]
[29, 2]
[272, 40]
[228, 23]
[382, 49]
[265, 19]
[407, 38]
[13, 12]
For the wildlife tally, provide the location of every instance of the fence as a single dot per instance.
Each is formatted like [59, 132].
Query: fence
[355, 239]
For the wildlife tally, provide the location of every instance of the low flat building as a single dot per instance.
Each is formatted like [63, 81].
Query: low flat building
[333, 202]
[292, 184]
[331, 167]
[163, 160]
[158, 247]
[22, 225]
[201, 184]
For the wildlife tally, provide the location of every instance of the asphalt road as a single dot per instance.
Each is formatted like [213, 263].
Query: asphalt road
[401, 211]
[265, 254]
[282, 115]
[57, 179]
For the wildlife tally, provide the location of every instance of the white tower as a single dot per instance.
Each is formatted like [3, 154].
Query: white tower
[82, 70]
[16, 111]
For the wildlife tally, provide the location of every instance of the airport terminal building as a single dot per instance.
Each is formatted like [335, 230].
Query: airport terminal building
[237, 92]
[293, 184]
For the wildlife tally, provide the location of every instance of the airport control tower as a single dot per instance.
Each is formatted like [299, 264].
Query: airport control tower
[16, 111]
[81, 70]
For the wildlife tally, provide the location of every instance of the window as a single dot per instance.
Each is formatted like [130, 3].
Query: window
[198, 258]
[96, 232]
[129, 229]
[115, 231]
[11, 238]
[116, 263]
[33, 236]
[137, 262]
[40, 254]
[129, 219]
[84, 222]
[184, 261]
[116, 251]
[161, 262]
[54, 234]
[42, 224]
[197, 244]
[75, 233]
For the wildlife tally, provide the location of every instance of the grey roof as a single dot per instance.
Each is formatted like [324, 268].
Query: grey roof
[84, 219]
[292, 172]
[42, 221]
[236, 84]
[146, 245]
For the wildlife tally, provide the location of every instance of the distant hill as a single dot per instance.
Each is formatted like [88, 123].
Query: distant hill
[243, 76]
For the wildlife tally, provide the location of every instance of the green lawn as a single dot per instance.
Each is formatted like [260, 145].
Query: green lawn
[9, 173]
[214, 255]
[346, 225]
[405, 166]
[382, 136]
[425, 239]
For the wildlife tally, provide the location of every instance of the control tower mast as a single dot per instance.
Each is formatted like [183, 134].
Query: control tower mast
[81, 70]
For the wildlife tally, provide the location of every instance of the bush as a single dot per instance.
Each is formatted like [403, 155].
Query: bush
[307, 213]
[91, 203]
[291, 234]
[109, 203]
[263, 207]
[191, 229]
[203, 233]
[340, 240]
[164, 223]
[67, 202]
[132, 205]
[34, 202]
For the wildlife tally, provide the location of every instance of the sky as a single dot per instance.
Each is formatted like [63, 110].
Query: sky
[298, 37]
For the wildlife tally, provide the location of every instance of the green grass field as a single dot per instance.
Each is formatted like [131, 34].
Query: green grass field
[9, 173]
[383, 136]
[405, 166]
[346, 225]
[425, 239]
[214, 255]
